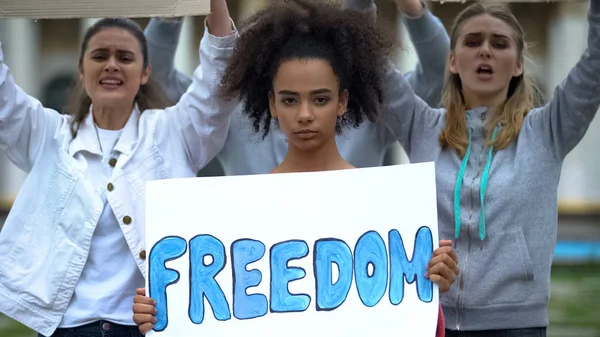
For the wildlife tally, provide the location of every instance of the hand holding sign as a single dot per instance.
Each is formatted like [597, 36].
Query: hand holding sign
[443, 267]
[218, 21]
[144, 311]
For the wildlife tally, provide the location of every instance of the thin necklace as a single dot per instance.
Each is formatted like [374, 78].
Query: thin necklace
[104, 162]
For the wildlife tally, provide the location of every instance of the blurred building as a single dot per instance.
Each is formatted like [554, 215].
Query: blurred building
[43, 55]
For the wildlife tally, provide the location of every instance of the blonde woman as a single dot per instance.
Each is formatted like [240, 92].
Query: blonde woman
[498, 162]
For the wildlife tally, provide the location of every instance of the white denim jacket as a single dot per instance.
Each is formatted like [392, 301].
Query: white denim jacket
[46, 237]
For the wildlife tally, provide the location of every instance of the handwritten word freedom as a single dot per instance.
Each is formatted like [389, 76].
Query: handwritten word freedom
[369, 267]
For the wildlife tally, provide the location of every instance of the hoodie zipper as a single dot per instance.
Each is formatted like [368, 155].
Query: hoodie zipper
[459, 298]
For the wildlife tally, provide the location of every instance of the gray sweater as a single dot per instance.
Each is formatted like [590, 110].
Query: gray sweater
[506, 248]
[246, 153]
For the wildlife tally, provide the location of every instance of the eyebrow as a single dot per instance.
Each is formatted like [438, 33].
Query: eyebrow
[479, 34]
[104, 49]
[314, 92]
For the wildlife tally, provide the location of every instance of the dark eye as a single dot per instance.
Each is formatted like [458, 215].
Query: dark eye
[288, 101]
[500, 45]
[322, 100]
[98, 57]
[472, 43]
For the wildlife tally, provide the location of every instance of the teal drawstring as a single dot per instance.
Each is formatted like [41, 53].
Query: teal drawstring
[483, 188]
[461, 174]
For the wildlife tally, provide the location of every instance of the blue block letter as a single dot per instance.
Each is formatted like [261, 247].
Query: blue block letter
[159, 276]
[244, 252]
[327, 251]
[282, 274]
[414, 269]
[202, 278]
[370, 252]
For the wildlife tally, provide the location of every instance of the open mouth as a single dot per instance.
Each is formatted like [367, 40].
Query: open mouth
[111, 83]
[484, 70]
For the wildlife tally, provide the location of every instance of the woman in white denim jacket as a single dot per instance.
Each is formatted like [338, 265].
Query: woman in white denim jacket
[72, 247]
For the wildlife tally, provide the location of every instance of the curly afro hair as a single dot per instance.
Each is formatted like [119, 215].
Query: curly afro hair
[302, 29]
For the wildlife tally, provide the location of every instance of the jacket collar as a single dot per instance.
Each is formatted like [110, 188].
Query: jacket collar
[87, 139]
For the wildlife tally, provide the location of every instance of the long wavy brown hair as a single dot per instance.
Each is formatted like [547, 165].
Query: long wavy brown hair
[522, 96]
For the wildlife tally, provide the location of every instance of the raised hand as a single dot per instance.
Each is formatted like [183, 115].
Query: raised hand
[219, 21]
[412, 8]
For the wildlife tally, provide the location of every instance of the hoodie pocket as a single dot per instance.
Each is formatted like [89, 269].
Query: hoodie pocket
[499, 270]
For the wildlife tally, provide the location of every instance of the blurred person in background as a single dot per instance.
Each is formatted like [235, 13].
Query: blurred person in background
[245, 152]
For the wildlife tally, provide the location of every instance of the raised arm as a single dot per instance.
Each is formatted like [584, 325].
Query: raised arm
[432, 45]
[563, 122]
[25, 125]
[407, 116]
[431, 42]
[200, 120]
[163, 36]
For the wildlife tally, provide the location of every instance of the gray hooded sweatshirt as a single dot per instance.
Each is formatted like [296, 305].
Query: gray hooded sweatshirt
[500, 206]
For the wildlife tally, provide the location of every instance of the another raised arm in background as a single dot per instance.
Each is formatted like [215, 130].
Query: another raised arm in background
[427, 33]
[199, 122]
[162, 35]
[431, 42]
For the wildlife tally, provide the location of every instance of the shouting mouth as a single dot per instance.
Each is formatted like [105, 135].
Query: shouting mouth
[485, 72]
[111, 83]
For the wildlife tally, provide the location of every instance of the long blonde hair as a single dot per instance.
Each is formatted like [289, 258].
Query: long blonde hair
[522, 92]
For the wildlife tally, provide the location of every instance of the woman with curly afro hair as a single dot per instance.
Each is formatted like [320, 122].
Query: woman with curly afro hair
[315, 68]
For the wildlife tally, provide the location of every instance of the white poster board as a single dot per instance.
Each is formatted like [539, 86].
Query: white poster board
[208, 239]
[65, 9]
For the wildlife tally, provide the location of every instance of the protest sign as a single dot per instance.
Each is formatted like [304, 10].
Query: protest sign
[338, 253]
[64, 9]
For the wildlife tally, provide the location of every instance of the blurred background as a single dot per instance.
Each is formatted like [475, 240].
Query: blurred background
[42, 55]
